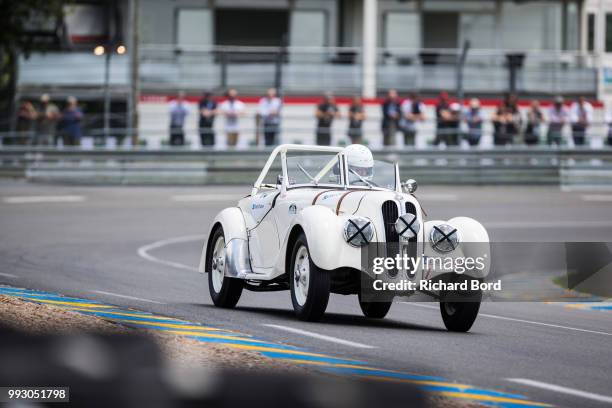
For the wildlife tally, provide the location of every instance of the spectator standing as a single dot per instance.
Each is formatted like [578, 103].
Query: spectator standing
[608, 119]
[454, 125]
[557, 118]
[581, 116]
[443, 119]
[391, 111]
[269, 112]
[70, 123]
[473, 118]
[178, 113]
[356, 115]
[232, 109]
[506, 121]
[513, 118]
[326, 112]
[48, 116]
[412, 111]
[535, 119]
[26, 117]
[208, 110]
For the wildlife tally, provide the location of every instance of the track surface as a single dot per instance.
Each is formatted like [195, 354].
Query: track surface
[86, 243]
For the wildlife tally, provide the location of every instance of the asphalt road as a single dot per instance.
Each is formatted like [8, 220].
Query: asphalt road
[117, 244]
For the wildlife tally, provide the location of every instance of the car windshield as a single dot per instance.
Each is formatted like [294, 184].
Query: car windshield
[382, 175]
[319, 168]
[324, 169]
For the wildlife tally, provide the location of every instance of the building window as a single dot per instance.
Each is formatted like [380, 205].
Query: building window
[572, 34]
[591, 32]
[194, 27]
[307, 28]
[251, 27]
[608, 32]
[402, 30]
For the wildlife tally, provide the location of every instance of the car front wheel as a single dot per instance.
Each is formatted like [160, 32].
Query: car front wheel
[310, 285]
[224, 291]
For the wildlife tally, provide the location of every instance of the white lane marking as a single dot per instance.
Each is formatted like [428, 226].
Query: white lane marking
[512, 319]
[562, 390]
[205, 197]
[596, 197]
[101, 292]
[8, 275]
[143, 251]
[547, 224]
[43, 199]
[320, 336]
[437, 197]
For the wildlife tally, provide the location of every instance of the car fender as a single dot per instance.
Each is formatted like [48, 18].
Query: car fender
[324, 233]
[474, 243]
[236, 243]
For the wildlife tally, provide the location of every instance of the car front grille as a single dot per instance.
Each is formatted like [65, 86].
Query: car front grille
[411, 209]
[412, 248]
[390, 213]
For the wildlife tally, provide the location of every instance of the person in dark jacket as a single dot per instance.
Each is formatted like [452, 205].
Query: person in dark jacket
[208, 110]
[535, 119]
[391, 112]
[71, 123]
[356, 116]
[444, 119]
[506, 121]
[326, 112]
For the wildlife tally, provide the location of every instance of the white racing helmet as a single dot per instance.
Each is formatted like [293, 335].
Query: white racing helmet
[360, 160]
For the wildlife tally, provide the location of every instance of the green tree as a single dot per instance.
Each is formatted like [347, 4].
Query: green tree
[26, 26]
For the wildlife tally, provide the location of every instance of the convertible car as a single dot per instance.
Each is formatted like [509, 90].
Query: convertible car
[311, 213]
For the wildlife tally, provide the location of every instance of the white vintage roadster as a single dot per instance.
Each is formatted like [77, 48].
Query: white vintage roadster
[304, 224]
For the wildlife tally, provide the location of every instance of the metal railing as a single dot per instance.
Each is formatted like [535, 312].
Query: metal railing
[311, 70]
[567, 167]
[301, 128]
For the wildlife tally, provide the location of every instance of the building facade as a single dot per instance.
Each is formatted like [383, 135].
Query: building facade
[348, 46]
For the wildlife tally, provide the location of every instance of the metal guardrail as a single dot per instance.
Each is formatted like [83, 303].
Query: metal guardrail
[574, 167]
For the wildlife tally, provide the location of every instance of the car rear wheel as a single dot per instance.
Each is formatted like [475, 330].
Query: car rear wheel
[224, 291]
[459, 316]
[374, 310]
[310, 285]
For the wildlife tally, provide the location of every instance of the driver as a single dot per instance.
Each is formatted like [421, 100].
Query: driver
[360, 161]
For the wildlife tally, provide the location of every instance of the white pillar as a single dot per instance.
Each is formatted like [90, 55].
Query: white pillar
[600, 48]
[370, 31]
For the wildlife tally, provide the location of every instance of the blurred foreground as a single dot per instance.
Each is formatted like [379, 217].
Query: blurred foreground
[109, 365]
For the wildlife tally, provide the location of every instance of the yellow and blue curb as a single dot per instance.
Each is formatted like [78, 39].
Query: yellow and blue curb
[291, 354]
[588, 305]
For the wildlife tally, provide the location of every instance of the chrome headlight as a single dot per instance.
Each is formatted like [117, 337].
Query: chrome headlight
[407, 226]
[358, 231]
[444, 238]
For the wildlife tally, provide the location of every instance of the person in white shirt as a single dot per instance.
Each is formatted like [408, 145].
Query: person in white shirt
[581, 115]
[269, 112]
[232, 109]
[412, 111]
